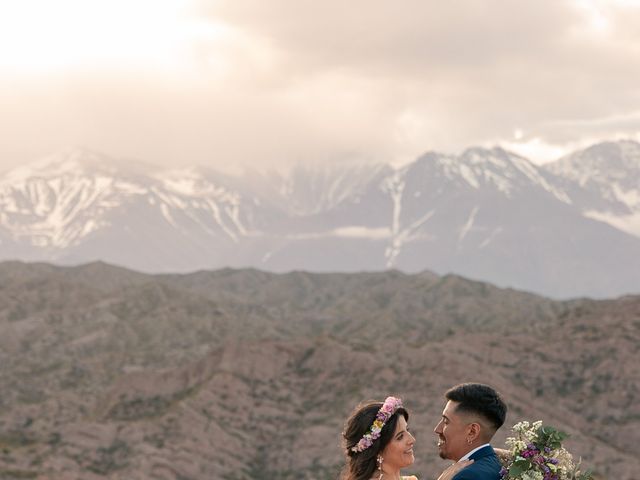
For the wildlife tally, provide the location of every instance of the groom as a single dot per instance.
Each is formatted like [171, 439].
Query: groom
[472, 415]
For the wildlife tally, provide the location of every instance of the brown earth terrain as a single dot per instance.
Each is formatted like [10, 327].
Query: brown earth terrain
[242, 374]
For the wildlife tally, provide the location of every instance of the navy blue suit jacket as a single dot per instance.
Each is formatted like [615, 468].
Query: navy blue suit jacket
[485, 466]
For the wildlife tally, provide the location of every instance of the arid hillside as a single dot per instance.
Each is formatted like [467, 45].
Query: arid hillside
[241, 374]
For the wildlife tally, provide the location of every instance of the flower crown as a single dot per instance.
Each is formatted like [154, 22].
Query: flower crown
[388, 408]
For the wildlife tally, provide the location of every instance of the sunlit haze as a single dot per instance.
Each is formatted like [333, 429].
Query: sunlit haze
[253, 83]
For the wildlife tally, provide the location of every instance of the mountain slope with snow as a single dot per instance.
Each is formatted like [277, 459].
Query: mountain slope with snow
[82, 206]
[493, 215]
[604, 180]
[488, 214]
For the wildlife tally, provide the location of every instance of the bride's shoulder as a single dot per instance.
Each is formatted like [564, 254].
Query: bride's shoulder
[411, 477]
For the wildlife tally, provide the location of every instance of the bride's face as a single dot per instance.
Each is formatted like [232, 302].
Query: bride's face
[399, 451]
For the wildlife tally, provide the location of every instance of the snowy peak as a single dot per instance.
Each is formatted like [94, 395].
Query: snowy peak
[74, 163]
[496, 169]
[602, 163]
[59, 201]
[604, 180]
[507, 171]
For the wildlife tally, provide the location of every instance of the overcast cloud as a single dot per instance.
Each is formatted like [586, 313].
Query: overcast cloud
[270, 82]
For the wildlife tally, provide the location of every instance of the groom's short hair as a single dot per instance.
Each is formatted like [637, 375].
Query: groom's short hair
[479, 399]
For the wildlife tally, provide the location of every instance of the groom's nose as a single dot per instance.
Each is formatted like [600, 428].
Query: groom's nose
[438, 428]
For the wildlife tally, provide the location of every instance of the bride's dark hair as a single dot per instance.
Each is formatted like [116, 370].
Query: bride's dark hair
[362, 465]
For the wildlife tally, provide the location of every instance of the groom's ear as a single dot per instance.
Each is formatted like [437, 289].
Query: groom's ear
[474, 430]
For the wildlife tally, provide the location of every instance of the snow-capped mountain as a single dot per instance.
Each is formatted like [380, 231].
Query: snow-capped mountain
[490, 214]
[487, 214]
[80, 205]
[604, 180]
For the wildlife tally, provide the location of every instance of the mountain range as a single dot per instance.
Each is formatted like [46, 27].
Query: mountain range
[568, 229]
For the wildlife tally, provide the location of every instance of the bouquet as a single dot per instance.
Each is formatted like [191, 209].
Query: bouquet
[536, 453]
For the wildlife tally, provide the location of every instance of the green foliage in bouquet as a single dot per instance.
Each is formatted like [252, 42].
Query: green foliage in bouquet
[536, 453]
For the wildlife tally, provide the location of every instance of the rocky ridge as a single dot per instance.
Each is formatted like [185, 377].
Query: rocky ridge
[243, 374]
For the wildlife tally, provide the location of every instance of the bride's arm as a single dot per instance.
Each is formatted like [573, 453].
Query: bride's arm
[451, 470]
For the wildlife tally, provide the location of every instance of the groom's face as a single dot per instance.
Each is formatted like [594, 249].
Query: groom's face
[452, 433]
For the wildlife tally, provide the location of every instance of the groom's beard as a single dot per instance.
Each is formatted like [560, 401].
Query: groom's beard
[445, 452]
[441, 451]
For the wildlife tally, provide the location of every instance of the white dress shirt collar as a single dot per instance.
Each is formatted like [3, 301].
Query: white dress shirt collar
[466, 457]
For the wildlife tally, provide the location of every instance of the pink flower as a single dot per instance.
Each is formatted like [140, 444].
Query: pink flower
[389, 407]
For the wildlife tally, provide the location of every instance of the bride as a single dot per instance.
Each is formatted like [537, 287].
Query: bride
[378, 443]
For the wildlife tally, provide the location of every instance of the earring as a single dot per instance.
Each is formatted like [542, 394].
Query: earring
[379, 461]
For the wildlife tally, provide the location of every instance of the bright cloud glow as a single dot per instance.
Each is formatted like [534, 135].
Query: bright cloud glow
[44, 36]
[228, 83]
[598, 20]
[536, 150]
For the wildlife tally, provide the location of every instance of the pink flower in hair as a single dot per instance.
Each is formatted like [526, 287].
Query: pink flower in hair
[389, 407]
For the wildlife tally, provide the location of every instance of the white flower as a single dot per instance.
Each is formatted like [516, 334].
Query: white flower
[531, 475]
[521, 426]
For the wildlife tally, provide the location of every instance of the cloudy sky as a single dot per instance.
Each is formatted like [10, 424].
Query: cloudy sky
[270, 82]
